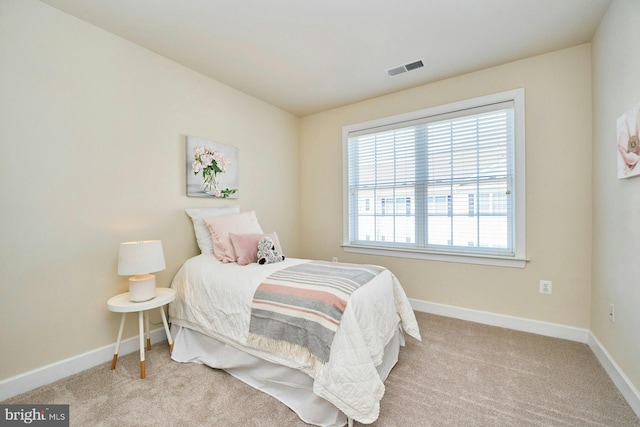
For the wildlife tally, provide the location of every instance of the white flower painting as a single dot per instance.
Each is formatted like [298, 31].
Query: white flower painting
[628, 144]
[212, 169]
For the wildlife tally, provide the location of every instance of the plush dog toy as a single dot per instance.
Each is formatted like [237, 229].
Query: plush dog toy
[267, 252]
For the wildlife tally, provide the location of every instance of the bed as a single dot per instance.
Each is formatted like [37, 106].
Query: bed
[213, 322]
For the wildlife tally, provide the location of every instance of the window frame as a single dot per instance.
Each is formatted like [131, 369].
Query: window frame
[519, 259]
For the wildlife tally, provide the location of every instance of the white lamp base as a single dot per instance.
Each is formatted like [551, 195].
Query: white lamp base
[142, 287]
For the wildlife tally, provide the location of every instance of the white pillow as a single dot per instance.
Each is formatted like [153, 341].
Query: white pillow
[203, 235]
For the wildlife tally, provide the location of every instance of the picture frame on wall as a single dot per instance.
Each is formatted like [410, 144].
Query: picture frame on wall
[212, 169]
[628, 143]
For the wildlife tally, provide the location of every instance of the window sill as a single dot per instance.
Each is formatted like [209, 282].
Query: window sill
[496, 261]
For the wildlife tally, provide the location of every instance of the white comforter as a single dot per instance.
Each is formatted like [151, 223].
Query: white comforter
[215, 299]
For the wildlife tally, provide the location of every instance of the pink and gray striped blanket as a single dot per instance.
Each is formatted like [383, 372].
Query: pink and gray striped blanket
[302, 306]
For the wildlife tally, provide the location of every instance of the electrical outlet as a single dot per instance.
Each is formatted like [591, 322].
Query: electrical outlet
[545, 286]
[334, 259]
[612, 312]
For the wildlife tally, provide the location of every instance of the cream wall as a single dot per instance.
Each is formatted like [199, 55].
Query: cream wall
[616, 203]
[92, 153]
[558, 191]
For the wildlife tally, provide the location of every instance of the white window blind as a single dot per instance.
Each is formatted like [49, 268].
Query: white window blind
[441, 183]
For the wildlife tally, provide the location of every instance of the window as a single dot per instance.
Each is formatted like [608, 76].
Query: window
[444, 183]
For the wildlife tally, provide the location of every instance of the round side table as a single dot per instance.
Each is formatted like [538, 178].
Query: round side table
[121, 304]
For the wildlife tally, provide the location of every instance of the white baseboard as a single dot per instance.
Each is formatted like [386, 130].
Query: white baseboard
[624, 384]
[585, 336]
[22, 383]
[510, 322]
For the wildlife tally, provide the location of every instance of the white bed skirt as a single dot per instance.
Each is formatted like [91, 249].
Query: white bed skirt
[290, 386]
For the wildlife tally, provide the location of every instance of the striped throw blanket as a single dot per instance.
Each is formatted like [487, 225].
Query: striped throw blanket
[297, 310]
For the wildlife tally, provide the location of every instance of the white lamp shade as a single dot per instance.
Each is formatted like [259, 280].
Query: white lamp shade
[141, 257]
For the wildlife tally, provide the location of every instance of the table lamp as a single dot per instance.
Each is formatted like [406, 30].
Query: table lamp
[140, 259]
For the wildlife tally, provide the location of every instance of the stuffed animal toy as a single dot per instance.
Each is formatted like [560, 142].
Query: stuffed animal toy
[267, 252]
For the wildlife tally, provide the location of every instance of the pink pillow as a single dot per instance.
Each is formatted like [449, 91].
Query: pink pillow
[221, 226]
[246, 246]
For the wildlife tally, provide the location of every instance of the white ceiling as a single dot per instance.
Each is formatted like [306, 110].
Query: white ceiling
[306, 56]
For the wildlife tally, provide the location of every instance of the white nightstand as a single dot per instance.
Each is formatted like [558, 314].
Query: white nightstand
[121, 304]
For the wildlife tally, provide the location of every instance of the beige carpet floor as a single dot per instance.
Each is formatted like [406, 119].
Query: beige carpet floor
[462, 374]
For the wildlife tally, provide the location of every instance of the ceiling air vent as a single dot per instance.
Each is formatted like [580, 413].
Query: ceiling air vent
[404, 68]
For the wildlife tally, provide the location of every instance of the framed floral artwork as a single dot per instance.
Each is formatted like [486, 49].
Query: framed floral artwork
[212, 169]
[628, 144]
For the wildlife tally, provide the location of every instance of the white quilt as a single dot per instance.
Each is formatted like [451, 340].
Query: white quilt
[215, 299]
